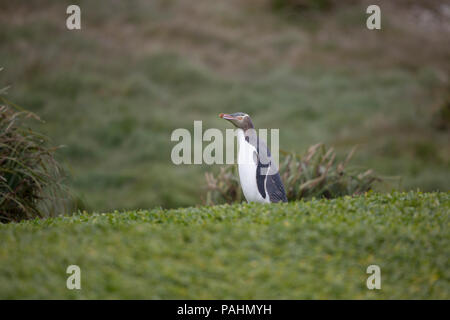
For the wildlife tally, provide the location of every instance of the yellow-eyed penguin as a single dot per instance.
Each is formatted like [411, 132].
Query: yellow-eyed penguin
[259, 177]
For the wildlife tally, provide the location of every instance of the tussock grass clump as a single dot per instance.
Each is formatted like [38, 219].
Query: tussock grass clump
[29, 174]
[317, 174]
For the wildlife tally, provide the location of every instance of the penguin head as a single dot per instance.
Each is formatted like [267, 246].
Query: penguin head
[239, 120]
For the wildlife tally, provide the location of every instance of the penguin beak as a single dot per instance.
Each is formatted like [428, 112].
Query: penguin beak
[227, 116]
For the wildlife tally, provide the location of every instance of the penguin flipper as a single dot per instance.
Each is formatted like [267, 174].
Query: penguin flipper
[266, 172]
[260, 176]
[275, 188]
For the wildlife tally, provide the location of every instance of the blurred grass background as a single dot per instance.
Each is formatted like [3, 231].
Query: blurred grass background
[113, 92]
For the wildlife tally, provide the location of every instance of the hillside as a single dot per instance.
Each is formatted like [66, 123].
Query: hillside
[113, 92]
[300, 250]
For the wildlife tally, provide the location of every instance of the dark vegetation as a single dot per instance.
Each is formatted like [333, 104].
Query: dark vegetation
[30, 177]
[301, 4]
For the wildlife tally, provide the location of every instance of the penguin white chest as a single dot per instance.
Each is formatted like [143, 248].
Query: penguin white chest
[247, 165]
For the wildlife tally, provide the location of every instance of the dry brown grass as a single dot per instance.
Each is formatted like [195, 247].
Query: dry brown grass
[235, 36]
[317, 173]
[30, 177]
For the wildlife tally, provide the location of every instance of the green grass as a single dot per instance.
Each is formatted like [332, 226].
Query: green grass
[113, 92]
[299, 250]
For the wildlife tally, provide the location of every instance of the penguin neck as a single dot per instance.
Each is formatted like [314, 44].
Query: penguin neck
[245, 130]
[240, 135]
[248, 136]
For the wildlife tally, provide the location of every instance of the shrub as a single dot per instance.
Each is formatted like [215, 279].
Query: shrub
[315, 174]
[30, 178]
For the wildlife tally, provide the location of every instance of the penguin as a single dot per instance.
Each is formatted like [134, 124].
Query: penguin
[258, 174]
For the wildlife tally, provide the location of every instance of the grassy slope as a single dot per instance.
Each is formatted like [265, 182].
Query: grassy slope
[316, 249]
[113, 92]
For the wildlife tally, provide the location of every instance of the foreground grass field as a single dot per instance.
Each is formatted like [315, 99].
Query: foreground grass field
[300, 250]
